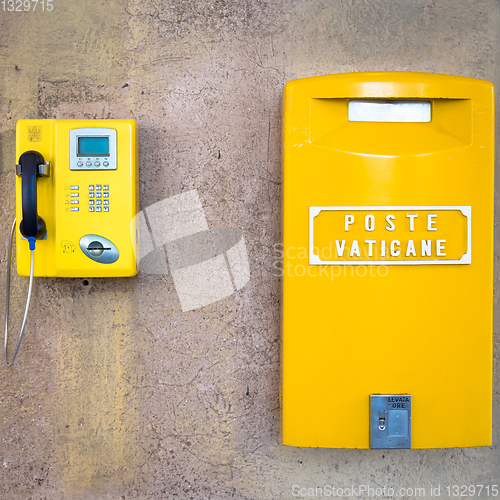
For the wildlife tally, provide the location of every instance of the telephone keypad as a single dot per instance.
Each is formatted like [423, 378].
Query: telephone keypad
[96, 192]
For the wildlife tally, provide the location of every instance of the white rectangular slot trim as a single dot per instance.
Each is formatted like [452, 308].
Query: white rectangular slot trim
[370, 110]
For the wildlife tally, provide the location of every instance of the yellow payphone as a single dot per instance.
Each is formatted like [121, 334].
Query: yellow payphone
[76, 200]
[388, 267]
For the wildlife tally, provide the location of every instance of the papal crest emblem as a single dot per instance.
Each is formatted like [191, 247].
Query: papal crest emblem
[34, 134]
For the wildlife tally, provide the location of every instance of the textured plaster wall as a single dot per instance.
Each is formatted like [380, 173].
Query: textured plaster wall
[117, 393]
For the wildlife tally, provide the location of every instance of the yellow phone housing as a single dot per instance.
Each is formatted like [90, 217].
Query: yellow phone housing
[410, 316]
[64, 199]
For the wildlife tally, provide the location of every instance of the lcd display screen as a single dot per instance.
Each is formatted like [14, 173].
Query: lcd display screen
[93, 146]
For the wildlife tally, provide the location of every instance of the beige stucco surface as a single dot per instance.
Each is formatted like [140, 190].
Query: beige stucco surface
[117, 392]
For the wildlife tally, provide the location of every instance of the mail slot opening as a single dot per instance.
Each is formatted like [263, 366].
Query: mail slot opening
[393, 111]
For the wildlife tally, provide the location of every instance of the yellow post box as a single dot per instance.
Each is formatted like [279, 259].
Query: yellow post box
[388, 267]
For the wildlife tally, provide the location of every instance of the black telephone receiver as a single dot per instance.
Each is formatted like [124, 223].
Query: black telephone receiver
[31, 165]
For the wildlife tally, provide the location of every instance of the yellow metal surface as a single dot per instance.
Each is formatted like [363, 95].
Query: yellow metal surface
[419, 328]
[60, 254]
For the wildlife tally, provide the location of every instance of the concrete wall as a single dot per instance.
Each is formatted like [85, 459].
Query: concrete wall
[119, 394]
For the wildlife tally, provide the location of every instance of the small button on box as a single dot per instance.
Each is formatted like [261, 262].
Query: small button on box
[74, 202]
[91, 202]
[97, 163]
[106, 209]
[74, 209]
[98, 187]
[98, 202]
[98, 195]
[89, 164]
[105, 195]
[91, 187]
[80, 163]
[75, 195]
[105, 187]
[75, 187]
[91, 209]
[98, 209]
[105, 164]
[91, 195]
[105, 202]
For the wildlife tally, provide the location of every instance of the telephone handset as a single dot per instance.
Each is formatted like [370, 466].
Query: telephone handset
[76, 198]
[31, 165]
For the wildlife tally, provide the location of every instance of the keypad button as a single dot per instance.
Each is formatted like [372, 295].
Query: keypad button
[98, 202]
[91, 187]
[105, 163]
[89, 164]
[91, 209]
[74, 202]
[98, 209]
[105, 187]
[98, 195]
[75, 187]
[80, 163]
[75, 195]
[91, 202]
[105, 202]
[91, 195]
[106, 209]
[105, 195]
[74, 209]
[98, 187]
[97, 163]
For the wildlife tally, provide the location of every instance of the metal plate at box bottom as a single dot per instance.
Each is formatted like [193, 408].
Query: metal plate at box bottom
[390, 421]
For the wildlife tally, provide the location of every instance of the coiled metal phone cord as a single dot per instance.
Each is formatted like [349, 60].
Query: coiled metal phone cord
[7, 299]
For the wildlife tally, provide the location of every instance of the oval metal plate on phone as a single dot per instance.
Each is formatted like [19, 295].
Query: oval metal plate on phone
[99, 248]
